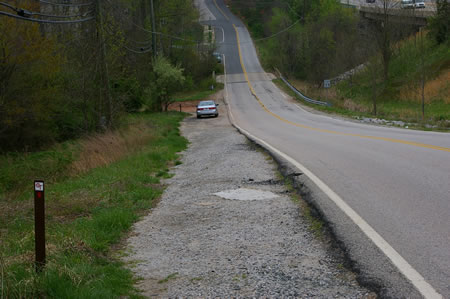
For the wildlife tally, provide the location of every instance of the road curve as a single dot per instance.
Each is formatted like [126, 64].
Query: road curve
[397, 181]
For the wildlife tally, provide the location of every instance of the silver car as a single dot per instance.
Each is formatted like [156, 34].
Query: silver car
[419, 4]
[207, 108]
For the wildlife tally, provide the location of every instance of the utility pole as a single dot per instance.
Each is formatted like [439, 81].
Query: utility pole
[422, 71]
[153, 29]
[105, 73]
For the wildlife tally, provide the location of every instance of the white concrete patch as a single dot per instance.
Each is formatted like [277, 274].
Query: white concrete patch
[246, 194]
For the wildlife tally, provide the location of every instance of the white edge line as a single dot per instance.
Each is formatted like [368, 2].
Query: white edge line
[402, 265]
[223, 34]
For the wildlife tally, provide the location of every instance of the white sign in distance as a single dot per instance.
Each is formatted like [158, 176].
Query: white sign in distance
[39, 186]
[326, 83]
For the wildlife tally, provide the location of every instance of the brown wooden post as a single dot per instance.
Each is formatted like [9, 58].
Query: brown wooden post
[39, 224]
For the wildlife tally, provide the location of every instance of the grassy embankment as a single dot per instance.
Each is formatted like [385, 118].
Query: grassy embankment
[401, 97]
[96, 188]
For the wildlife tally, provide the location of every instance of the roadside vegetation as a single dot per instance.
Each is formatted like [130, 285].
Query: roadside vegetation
[96, 188]
[397, 71]
[59, 82]
[82, 107]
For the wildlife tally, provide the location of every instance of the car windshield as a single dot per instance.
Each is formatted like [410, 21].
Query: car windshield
[206, 103]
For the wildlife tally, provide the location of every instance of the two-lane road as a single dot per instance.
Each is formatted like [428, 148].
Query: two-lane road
[384, 191]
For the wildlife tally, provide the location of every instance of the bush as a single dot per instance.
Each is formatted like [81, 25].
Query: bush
[440, 24]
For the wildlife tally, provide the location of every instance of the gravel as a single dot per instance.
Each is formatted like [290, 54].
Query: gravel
[198, 244]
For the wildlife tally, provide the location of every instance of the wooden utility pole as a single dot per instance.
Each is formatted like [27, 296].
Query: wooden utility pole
[422, 71]
[153, 29]
[104, 64]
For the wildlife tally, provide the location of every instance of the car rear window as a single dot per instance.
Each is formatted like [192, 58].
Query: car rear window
[206, 103]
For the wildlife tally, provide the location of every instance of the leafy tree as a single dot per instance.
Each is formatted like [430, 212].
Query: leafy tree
[440, 24]
[30, 90]
[169, 79]
[60, 81]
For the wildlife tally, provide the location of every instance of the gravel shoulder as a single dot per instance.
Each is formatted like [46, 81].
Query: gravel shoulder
[196, 243]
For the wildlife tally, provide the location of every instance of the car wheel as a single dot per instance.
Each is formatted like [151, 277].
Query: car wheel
[216, 115]
[198, 116]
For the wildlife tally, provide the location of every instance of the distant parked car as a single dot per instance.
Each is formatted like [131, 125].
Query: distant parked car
[419, 4]
[412, 4]
[207, 108]
[218, 57]
[370, 1]
[407, 4]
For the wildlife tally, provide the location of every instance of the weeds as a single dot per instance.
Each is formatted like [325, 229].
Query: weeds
[169, 277]
[398, 99]
[315, 224]
[87, 211]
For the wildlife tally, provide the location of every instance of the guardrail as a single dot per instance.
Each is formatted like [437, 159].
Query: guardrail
[307, 99]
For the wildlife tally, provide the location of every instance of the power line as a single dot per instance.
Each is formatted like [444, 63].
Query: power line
[45, 21]
[143, 51]
[26, 13]
[66, 4]
[9, 6]
[61, 17]
[279, 32]
[167, 35]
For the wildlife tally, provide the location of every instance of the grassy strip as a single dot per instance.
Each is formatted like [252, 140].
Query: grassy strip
[198, 95]
[327, 109]
[389, 110]
[400, 98]
[85, 215]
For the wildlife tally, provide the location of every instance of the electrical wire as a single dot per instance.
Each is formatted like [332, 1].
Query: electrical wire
[143, 51]
[21, 12]
[193, 41]
[279, 32]
[9, 6]
[61, 17]
[66, 4]
[45, 21]
[167, 35]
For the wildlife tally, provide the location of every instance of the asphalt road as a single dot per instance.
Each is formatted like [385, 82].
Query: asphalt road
[384, 191]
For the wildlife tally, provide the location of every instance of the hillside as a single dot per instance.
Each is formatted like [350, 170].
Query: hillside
[313, 41]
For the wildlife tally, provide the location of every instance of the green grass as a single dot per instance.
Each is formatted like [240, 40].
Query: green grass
[326, 109]
[405, 71]
[85, 216]
[197, 95]
[437, 112]
[18, 168]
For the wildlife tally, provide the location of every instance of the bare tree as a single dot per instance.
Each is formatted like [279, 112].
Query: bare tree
[384, 31]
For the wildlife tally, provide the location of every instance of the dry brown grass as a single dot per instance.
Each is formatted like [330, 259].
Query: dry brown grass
[103, 149]
[437, 88]
[96, 150]
[352, 106]
[312, 91]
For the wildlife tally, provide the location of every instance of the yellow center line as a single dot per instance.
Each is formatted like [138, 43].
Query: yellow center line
[226, 17]
[435, 147]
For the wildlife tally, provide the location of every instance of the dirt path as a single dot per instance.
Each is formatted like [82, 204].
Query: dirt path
[197, 243]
